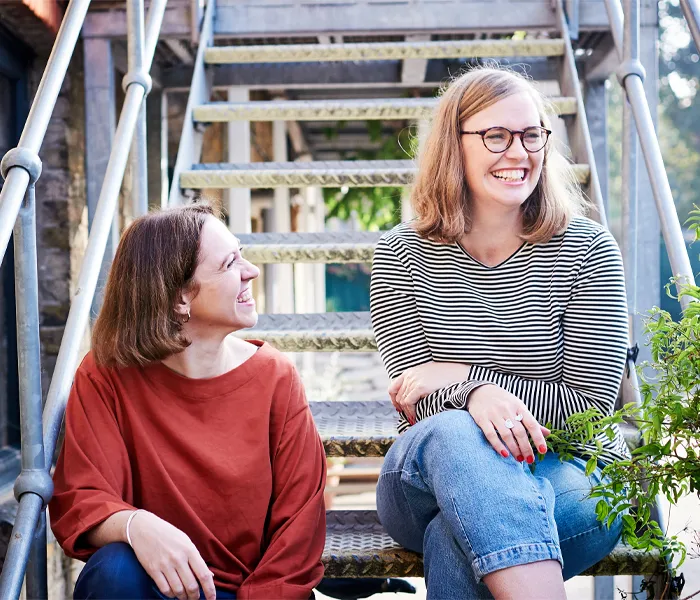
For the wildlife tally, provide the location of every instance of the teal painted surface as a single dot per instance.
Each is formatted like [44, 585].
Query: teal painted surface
[347, 287]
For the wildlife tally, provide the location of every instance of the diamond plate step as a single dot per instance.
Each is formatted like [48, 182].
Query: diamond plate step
[351, 173]
[336, 110]
[358, 546]
[368, 428]
[321, 332]
[356, 428]
[384, 51]
[355, 247]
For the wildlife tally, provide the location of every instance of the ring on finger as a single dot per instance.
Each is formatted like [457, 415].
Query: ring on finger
[508, 423]
[518, 417]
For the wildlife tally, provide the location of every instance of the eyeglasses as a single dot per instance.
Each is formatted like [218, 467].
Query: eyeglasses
[499, 139]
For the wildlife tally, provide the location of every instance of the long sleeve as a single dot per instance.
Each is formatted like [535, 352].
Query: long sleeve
[399, 332]
[93, 474]
[595, 344]
[296, 526]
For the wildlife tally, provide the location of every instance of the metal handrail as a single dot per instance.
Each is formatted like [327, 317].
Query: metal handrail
[17, 179]
[631, 76]
[39, 436]
[691, 12]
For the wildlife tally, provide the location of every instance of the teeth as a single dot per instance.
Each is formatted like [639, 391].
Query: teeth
[510, 175]
[245, 297]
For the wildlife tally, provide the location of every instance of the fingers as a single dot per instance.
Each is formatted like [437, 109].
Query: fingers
[162, 584]
[188, 581]
[394, 387]
[204, 575]
[520, 434]
[408, 397]
[492, 436]
[508, 439]
[536, 432]
[177, 590]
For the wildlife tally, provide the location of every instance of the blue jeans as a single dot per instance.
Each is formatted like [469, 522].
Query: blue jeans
[114, 573]
[445, 492]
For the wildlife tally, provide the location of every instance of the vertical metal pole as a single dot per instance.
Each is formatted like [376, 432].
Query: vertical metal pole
[630, 208]
[164, 174]
[139, 151]
[282, 276]
[29, 366]
[239, 202]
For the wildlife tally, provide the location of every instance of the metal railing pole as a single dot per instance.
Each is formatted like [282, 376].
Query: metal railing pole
[34, 480]
[12, 193]
[629, 168]
[631, 76]
[691, 12]
[139, 152]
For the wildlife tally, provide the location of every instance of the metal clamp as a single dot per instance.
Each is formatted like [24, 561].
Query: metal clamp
[630, 67]
[140, 77]
[22, 157]
[34, 481]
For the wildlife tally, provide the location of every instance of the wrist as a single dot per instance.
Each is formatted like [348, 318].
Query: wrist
[127, 527]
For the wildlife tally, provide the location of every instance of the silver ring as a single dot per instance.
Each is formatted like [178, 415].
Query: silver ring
[518, 417]
[509, 424]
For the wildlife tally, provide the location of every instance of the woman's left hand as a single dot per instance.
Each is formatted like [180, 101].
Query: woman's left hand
[417, 382]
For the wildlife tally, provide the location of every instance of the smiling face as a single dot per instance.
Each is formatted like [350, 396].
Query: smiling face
[223, 301]
[503, 180]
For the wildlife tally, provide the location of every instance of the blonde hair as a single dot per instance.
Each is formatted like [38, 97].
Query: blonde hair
[440, 196]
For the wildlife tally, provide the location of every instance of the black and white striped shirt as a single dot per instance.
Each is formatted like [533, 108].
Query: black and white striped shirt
[548, 324]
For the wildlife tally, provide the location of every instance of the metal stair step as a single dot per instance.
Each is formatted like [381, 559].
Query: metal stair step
[352, 173]
[316, 332]
[384, 51]
[368, 428]
[345, 247]
[332, 110]
[355, 428]
[358, 546]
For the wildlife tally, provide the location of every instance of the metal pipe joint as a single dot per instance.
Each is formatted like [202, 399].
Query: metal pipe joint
[25, 158]
[140, 77]
[630, 67]
[34, 481]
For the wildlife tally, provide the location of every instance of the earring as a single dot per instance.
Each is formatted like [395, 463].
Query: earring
[188, 316]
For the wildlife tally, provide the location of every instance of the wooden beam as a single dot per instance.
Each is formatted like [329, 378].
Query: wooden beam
[413, 69]
[112, 24]
[48, 11]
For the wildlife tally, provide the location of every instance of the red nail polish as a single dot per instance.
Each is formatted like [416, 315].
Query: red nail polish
[520, 459]
[504, 453]
[530, 460]
[542, 449]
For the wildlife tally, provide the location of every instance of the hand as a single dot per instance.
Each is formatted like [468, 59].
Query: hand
[170, 558]
[490, 405]
[418, 382]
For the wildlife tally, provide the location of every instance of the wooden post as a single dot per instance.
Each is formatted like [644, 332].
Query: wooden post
[100, 126]
[238, 199]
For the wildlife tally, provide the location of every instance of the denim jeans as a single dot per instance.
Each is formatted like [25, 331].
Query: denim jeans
[114, 573]
[444, 491]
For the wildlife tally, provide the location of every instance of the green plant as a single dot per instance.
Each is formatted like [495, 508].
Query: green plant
[668, 460]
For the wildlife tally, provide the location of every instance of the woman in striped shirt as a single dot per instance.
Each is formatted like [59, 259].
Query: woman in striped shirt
[498, 310]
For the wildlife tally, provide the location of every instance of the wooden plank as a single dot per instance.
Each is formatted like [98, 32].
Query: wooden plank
[112, 24]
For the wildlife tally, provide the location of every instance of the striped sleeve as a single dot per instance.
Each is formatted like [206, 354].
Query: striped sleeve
[595, 339]
[399, 333]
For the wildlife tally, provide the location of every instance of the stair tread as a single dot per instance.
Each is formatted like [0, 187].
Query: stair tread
[341, 247]
[353, 173]
[315, 332]
[326, 110]
[384, 51]
[357, 546]
[368, 428]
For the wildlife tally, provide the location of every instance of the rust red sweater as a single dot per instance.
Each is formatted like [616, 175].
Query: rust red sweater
[234, 461]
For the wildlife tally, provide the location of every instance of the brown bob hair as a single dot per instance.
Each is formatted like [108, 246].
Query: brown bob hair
[155, 261]
[440, 196]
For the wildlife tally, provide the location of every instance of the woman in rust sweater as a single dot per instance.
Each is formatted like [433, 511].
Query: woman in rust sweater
[191, 464]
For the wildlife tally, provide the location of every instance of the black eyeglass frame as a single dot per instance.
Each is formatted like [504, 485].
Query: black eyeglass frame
[513, 133]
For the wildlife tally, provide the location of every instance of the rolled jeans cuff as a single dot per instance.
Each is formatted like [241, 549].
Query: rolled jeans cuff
[515, 555]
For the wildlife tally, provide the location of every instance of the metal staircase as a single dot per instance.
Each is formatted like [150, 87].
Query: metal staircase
[356, 544]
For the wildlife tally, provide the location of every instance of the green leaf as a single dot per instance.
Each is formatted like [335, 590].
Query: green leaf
[591, 465]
